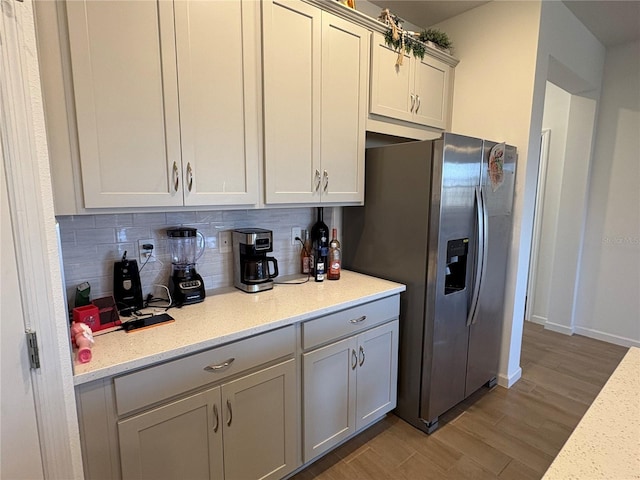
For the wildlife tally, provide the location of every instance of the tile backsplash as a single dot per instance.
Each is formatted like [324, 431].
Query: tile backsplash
[92, 243]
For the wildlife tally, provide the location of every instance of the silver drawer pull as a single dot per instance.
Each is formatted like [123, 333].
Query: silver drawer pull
[220, 366]
[358, 320]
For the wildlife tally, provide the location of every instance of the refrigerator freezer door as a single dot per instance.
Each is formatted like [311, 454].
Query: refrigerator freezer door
[456, 172]
[486, 331]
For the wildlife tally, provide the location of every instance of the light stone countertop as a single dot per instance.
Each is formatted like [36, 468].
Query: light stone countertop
[227, 315]
[606, 442]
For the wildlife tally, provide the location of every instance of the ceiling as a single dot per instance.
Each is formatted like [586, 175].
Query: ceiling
[613, 22]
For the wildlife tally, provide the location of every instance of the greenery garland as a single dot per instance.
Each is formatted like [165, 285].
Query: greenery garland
[411, 44]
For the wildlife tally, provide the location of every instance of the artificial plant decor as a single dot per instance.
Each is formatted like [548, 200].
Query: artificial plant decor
[437, 37]
[410, 42]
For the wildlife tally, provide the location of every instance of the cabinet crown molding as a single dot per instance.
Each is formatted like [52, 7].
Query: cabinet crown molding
[374, 25]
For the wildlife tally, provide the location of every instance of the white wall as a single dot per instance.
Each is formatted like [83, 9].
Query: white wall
[608, 298]
[571, 214]
[494, 88]
[556, 117]
[507, 52]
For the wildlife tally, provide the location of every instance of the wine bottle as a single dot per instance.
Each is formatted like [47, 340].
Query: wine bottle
[335, 261]
[306, 257]
[320, 239]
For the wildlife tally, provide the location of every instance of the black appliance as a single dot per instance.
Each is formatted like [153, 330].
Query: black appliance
[250, 261]
[187, 246]
[127, 289]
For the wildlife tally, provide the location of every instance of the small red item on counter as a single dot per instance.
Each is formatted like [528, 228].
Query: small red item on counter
[82, 338]
[89, 314]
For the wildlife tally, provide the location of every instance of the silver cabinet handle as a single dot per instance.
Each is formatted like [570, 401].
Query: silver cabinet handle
[354, 360]
[189, 176]
[216, 418]
[219, 366]
[417, 103]
[230, 413]
[325, 175]
[176, 177]
[413, 101]
[317, 179]
[361, 355]
[358, 320]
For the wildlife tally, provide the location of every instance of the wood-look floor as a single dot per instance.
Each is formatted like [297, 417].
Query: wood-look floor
[496, 434]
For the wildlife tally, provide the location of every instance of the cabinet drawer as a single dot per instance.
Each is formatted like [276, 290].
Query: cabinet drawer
[349, 321]
[151, 385]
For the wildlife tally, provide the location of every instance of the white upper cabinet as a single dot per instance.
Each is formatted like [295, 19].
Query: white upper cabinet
[315, 68]
[218, 88]
[166, 104]
[418, 91]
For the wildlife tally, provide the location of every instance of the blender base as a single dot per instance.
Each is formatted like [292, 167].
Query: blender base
[186, 292]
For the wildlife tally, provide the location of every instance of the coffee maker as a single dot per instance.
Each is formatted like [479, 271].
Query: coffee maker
[187, 246]
[251, 271]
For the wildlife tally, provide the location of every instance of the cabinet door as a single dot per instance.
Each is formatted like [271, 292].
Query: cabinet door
[377, 373]
[329, 394]
[391, 86]
[432, 79]
[345, 82]
[125, 86]
[218, 81]
[180, 440]
[260, 424]
[291, 68]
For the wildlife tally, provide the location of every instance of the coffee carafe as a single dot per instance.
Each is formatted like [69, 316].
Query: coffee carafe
[253, 270]
[187, 246]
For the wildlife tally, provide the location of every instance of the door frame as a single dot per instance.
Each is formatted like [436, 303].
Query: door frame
[26, 163]
[545, 142]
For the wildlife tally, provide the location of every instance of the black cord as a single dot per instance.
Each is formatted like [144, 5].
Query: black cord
[145, 262]
[294, 283]
[308, 274]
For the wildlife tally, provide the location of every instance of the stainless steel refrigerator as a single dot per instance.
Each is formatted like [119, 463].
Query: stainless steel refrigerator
[437, 217]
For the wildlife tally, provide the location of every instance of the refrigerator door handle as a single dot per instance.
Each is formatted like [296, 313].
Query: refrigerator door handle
[471, 314]
[485, 250]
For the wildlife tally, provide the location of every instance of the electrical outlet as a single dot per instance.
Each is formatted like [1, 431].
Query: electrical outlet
[146, 254]
[295, 232]
[224, 241]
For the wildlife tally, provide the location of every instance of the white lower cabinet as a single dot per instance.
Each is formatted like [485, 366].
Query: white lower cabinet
[243, 429]
[348, 384]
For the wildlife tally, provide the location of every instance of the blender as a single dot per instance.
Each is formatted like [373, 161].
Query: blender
[187, 246]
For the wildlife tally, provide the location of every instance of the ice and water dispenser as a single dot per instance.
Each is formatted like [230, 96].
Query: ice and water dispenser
[456, 272]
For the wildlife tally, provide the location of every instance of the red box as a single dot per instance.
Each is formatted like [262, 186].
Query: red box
[88, 314]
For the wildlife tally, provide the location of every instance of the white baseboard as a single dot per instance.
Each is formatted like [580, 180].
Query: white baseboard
[537, 319]
[607, 337]
[556, 327]
[508, 381]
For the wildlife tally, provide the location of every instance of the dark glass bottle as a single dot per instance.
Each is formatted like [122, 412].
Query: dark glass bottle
[320, 239]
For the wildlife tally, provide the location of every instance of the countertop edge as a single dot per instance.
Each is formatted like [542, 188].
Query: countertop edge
[164, 356]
